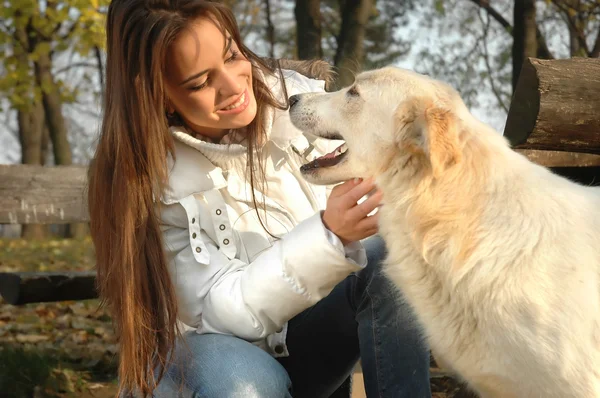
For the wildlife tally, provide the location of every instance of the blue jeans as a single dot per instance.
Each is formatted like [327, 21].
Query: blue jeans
[363, 317]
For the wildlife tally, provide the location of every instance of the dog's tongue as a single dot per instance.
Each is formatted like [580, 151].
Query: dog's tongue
[331, 155]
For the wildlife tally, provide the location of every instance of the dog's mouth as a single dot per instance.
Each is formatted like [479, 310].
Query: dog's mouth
[329, 160]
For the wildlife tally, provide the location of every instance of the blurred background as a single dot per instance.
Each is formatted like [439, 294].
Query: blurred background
[52, 55]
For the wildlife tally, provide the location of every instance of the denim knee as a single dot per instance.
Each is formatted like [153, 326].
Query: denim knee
[215, 366]
[376, 253]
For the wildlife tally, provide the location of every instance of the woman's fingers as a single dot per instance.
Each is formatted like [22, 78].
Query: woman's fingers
[361, 210]
[360, 190]
[369, 225]
[344, 188]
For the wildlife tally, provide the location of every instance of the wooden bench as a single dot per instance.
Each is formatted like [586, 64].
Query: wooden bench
[44, 195]
[57, 195]
[554, 119]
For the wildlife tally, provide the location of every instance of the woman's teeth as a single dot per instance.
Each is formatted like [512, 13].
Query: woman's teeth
[236, 103]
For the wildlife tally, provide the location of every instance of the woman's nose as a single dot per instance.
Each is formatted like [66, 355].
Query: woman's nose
[229, 84]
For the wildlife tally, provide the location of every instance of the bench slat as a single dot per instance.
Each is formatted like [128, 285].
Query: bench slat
[38, 287]
[32, 194]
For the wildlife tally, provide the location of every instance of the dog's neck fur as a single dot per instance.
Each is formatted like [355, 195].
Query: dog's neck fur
[442, 214]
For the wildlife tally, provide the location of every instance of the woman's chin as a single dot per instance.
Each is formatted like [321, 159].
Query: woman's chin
[243, 118]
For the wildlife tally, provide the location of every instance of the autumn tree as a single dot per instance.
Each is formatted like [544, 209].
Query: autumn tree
[478, 46]
[353, 35]
[33, 35]
[308, 29]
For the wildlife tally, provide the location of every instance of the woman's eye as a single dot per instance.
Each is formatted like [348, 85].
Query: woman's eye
[234, 55]
[199, 87]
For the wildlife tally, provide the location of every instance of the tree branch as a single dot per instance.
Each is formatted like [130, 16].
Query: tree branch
[98, 55]
[72, 28]
[486, 58]
[75, 65]
[485, 4]
[573, 26]
[270, 29]
[543, 50]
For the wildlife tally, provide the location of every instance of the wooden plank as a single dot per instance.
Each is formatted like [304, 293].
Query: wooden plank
[42, 195]
[57, 195]
[555, 106]
[560, 158]
[39, 287]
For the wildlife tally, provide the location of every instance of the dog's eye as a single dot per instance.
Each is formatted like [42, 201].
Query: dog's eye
[353, 92]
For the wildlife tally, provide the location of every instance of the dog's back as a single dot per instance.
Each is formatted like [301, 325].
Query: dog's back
[508, 288]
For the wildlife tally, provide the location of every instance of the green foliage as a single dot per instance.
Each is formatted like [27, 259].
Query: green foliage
[33, 30]
[46, 255]
[21, 370]
[382, 45]
[60, 349]
[439, 7]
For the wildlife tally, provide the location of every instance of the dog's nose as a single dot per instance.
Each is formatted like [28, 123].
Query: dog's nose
[294, 99]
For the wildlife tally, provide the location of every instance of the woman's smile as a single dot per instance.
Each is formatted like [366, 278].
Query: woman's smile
[238, 106]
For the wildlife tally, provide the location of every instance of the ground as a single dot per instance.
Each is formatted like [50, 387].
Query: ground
[68, 349]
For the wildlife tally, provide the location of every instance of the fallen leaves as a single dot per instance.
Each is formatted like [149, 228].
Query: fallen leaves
[31, 338]
[78, 337]
[78, 333]
[47, 255]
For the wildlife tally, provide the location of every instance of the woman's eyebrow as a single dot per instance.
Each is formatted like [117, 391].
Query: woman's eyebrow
[197, 75]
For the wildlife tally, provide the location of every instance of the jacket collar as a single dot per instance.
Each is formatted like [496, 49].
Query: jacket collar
[233, 145]
[200, 164]
[220, 154]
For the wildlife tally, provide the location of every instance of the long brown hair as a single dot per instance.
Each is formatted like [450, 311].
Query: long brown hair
[128, 174]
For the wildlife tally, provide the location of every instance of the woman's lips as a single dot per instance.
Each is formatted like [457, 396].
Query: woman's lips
[238, 106]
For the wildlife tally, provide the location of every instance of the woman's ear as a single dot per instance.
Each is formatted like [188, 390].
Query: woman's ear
[169, 107]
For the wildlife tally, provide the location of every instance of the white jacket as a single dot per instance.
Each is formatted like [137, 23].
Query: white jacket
[230, 276]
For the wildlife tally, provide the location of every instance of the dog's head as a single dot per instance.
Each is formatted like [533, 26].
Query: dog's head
[388, 115]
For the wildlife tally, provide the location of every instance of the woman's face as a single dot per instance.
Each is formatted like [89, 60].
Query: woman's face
[208, 81]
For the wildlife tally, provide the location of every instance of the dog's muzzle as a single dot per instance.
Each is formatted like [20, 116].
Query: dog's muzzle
[293, 100]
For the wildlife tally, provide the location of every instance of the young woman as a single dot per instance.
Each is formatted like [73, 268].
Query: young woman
[227, 274]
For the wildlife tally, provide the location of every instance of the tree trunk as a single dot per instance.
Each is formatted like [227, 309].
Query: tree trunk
[31, 136]
[31, 133]
[30, 121]
[270, 29]
[524, 36]
[308, 29]
[349, 56]
[45, 143]
[56, 126]
[542, 50]
[576, 29]
[53, 108]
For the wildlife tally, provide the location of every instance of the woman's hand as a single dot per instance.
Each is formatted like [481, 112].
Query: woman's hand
[347, 219]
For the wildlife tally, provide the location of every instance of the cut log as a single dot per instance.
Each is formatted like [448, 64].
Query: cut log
[40, 287]
[560, 158]
[42, 195]
[555, 106]
[582, 175]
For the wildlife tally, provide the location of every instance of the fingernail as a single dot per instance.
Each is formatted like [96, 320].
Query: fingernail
[357, 180]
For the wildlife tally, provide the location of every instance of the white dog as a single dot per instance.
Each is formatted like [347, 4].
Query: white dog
[499, 257]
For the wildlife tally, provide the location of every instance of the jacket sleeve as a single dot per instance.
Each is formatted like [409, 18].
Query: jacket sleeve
[253, 300]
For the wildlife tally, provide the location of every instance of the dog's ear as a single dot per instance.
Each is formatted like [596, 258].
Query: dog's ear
[427, 129]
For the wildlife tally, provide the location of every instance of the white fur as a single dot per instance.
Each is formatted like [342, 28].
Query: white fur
[498, 256]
